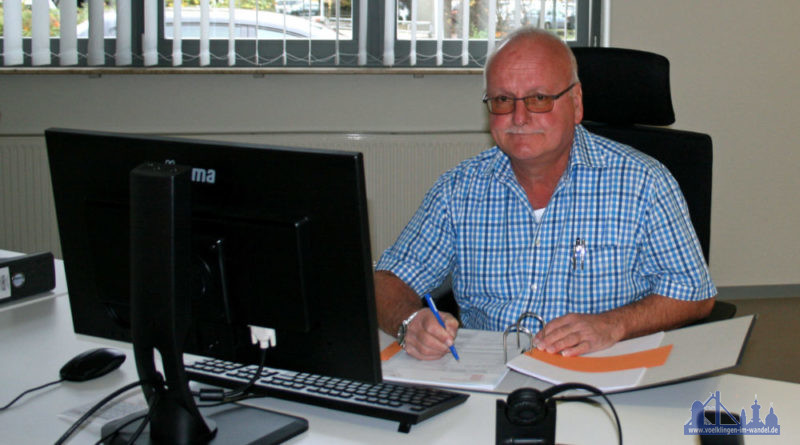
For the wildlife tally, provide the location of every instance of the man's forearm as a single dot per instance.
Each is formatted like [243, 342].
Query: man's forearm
[656, 313]
[576, 334]
[395, 301]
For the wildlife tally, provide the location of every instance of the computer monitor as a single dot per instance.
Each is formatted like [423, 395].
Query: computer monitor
[277, 238]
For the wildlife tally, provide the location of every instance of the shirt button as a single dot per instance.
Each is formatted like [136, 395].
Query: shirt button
[536, 242]
[534, 287]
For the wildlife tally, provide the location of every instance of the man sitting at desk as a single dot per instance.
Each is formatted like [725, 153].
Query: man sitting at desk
[590, 234]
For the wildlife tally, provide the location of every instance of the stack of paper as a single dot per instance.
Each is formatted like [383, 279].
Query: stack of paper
[481, 365]
[640, 362]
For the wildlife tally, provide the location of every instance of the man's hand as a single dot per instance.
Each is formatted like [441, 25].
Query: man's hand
[426, 339]
[576, 334]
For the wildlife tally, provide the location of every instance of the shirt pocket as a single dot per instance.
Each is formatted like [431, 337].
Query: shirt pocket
[592, 282]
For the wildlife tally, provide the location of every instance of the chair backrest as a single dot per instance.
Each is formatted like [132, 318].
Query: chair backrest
[626, 93]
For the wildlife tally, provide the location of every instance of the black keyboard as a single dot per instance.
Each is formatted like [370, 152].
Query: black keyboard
[406, 404]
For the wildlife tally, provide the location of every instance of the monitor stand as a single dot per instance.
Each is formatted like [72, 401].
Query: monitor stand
[160, 236]
[236, 424]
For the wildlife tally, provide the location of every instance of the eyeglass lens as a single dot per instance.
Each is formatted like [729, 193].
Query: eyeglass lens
[535, 104]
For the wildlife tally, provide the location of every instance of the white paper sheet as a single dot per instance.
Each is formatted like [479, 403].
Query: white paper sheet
[605, 381]
[481, 366]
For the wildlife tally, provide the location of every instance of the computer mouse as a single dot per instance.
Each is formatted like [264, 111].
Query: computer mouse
[92, 364]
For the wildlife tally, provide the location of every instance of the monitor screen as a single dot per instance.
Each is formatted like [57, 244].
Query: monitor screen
[279, 239]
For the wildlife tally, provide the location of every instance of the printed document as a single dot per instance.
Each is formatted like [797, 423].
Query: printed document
[481, 367]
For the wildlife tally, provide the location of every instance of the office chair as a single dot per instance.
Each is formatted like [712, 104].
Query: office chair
[627, 98]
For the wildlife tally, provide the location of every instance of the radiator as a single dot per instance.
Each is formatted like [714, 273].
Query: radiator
[27, 213]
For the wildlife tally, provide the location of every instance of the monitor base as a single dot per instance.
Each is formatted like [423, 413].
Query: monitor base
[235, 424]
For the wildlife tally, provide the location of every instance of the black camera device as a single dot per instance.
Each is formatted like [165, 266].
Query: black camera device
[528, 416]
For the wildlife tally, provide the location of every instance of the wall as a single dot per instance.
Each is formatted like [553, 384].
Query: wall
[732, 65]
[405, 147]
[734, 75]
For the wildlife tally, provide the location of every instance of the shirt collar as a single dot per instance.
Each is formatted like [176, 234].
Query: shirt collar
[585, 151]
[500, 165]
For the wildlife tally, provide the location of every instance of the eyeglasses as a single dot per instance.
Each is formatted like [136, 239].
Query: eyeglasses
[535, 103]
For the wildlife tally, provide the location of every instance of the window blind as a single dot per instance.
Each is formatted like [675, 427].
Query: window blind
[40, 43]
[96, 49]
[68, 12]
[465, 32]
[391, 33]
[123, 56]
[12, 33]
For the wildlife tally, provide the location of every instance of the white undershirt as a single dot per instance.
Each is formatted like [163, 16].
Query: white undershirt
[537, 214]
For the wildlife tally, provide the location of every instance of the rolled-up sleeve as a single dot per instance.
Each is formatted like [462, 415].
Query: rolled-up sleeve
[424, 252]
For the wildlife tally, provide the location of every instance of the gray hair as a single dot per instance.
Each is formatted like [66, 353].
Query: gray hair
[533, 33]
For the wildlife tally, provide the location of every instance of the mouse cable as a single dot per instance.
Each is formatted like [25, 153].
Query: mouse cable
[27, 391]
[595, 391]
[94, 409]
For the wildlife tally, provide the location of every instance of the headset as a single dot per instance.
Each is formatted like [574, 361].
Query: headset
[528, 416]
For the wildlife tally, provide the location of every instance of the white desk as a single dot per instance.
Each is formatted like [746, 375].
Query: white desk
[37, 339]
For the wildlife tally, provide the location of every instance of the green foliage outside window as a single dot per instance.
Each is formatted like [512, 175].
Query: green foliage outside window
[27, 18]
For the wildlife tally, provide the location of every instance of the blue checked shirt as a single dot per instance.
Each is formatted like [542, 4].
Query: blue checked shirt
[477, 225]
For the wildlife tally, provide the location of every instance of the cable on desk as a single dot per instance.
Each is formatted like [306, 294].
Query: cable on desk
[94, 409]
[145, 418]
[221, 398]
[116, 431]
[595, 391]
[230, 397]
[27, 391]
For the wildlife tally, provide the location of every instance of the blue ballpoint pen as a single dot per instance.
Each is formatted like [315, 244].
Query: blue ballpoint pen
[433, 309]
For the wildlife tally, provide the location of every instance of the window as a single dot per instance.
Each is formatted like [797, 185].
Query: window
[275, 33]
[463, 32]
